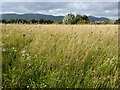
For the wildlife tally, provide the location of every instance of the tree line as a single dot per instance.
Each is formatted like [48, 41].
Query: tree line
[68, 19]
[24, 21]
[79, 19]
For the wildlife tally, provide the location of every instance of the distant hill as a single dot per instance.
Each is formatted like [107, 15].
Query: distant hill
[43, 16]
[92, 18]
[31, 16]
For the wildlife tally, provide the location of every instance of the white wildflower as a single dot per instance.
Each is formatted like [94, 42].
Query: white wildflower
[28, 58]
[28, 86]
[4, 50]
[27, 54]
[23, 51]
[23, 54]
[7, 35]
[15, 50]
[108, 58]
[37, 42]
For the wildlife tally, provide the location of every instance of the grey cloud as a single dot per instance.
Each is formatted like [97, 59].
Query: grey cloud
[32, 6]
[107, 9]
[97, 9]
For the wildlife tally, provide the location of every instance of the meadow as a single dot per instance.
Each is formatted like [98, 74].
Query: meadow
[59, 56]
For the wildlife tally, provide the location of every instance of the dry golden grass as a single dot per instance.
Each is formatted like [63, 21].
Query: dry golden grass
[74, 56]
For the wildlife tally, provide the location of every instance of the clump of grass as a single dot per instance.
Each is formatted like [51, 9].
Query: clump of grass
[62, 56]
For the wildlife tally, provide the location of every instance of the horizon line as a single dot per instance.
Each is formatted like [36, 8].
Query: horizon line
[57, 15]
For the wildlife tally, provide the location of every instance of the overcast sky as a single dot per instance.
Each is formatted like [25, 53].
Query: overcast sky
[99, 9]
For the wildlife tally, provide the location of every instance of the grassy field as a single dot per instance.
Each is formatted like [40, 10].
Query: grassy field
[62, 56]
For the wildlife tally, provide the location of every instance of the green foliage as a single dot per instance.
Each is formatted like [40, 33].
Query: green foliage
[107, 22]
[67, 19]
[83, 22]
[72, 19]
[24, 21]
[117, 21]
[84, 17]
[58, 22]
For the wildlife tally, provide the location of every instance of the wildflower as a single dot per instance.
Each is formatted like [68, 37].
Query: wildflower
[4, 50]
[108, 58]
[28, 86]
[27, 54]
[15, 50]
[45, 85]
[7, 35]
[37, 42]
[23, 55]
[66, 64]
[57, 78]
[29, 35]
[28, 58]
[23, 51]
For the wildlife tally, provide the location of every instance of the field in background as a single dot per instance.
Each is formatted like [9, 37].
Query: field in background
[73, 56]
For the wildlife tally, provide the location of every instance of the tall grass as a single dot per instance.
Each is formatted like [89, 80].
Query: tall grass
[62, 56]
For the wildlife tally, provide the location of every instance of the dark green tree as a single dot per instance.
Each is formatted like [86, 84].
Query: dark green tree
[117, 21]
